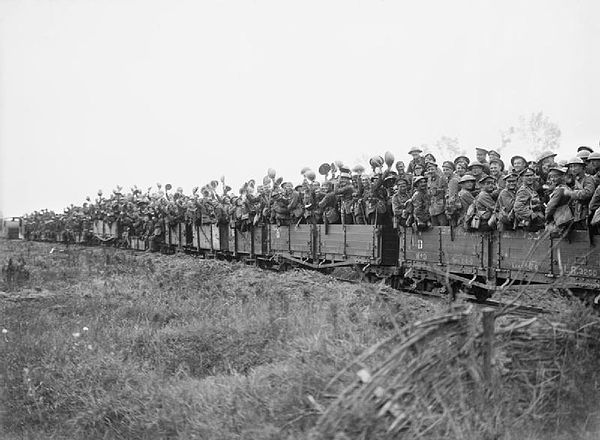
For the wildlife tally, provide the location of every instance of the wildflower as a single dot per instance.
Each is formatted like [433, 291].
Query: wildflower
[4, 331]
[76, 334]
[89, 347]
[85, 329]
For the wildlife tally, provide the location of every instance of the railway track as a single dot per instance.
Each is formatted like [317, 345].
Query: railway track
[502, 307]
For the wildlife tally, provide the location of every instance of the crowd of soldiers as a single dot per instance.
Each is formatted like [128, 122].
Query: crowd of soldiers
[478, 195]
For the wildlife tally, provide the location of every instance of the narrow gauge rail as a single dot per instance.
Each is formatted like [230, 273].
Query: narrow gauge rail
[477, 263]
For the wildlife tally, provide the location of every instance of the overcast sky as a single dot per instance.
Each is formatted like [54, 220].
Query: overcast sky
[106, 92]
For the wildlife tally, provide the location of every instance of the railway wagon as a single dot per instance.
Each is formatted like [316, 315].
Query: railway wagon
[322, 246]
[483, 262]
[10, 228]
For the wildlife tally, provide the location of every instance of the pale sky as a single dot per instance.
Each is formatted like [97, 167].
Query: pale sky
[106, 92]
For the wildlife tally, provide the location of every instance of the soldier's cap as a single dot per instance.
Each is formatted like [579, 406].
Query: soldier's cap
[483, 150]
[298, 188]
[575, 161]
[467, 178]
[449, 164]
[415, 150]
[484, 178]
[512, 176]
[585, 147]
[545, 155]
[562, 163]
[418, 179]
[527, 170]
[594, 156]
[475, 163]
[560, 170]
[498, 161]
[464, 159]
[431, 163]
[512, 159]
[345, 175]
[403, 179]
[494, 153]
[583, 154]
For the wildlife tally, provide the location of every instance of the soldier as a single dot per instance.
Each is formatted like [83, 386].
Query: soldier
[585, 148]
[437, 186]
[329, 204]
[519, 163]
[345, 191]
[280, 213]
[476, 170]
[481, 157]
[464, 159]
[416, 158]
[528, 207]
[465, 198]
[545, 161]
[593, 167]
[448, 169]
[558, 214]
[399, 203]
[294, 200]
[402, 174]
[504, 205]
[497, 172]
[420, 202]
[485, 205]
[418, 170]
[582, 187]
[493, 154]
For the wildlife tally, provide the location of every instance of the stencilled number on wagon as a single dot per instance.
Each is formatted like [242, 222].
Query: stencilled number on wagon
[420, 245]
[421, 256]
[277, 233]
[583, 271]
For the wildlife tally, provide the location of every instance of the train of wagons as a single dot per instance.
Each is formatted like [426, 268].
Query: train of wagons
[450, 258]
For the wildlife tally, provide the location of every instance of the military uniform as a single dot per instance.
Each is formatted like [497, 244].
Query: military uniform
[528, 209]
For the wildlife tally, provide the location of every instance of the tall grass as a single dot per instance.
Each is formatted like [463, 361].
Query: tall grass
[127, 345]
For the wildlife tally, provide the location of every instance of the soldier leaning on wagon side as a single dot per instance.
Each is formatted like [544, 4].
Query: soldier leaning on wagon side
[452, 203]
[465, 199]
[583, 188]
[437, 186]
[359, 208]
[399, 203]
[329, 204]
[376, 202]
[504, 205]
[345, 190]
[558, 213]
[485, 204]
[420, 202]
[528, 207]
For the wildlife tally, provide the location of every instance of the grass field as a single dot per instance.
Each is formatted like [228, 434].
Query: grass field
[101, 343]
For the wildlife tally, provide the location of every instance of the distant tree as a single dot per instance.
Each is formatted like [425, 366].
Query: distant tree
[534, 133]
[449, 147]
